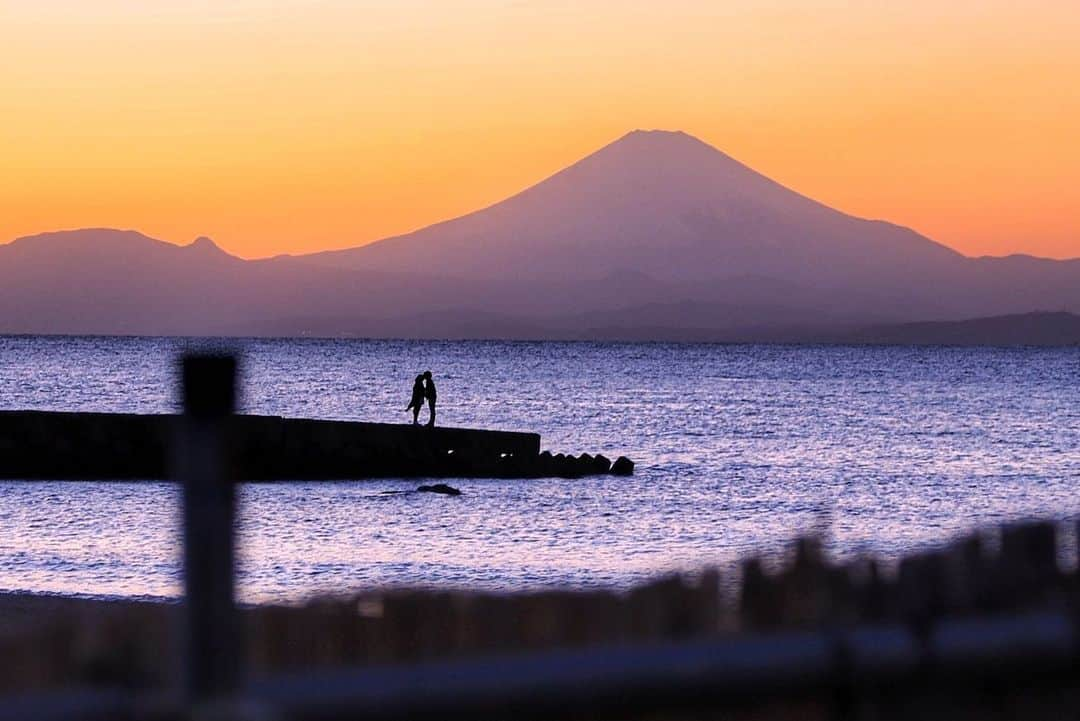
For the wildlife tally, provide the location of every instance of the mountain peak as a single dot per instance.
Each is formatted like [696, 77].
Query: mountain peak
[204, 244]
[85, 235]
[662, 139]
[657, 133]
[647, 150]
[88, 240]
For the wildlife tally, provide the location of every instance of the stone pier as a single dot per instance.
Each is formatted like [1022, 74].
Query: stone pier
[39, 445]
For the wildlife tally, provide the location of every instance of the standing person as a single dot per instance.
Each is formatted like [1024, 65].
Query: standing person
[431, 395]
[417, 401]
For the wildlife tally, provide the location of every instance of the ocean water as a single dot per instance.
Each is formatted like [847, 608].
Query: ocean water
[739, 449]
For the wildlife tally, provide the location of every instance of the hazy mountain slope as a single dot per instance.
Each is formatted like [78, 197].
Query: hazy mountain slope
[1034, 329]
[661, 203]
[111, 281]
[108, 281]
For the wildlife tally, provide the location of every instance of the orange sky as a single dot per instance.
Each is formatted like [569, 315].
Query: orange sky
[291, 126]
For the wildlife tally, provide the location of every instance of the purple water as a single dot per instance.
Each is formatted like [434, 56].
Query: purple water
[739, 448]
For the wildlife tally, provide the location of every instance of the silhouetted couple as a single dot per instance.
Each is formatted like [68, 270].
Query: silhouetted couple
[423, 388]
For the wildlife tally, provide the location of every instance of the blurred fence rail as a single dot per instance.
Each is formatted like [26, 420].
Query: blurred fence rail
[822, 673]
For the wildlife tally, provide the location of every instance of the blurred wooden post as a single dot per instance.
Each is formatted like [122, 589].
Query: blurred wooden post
[213, 658]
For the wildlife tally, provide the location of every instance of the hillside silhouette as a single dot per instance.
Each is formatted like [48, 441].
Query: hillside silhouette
[655, 236]
[1024, 329]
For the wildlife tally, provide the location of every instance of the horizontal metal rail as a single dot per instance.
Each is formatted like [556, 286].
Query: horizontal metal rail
[665, 677]
[617, 680]
[69, 704]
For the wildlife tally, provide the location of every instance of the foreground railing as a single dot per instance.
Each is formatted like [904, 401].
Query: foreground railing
[834, 667]
[641, 680]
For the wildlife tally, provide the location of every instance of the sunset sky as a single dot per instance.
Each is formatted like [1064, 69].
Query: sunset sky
[294, 126]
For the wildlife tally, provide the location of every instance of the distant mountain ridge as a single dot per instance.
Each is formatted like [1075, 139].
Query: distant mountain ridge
[654, 236]
[1024, 329]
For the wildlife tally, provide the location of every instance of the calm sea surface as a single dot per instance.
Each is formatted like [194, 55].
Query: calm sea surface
[739, 448]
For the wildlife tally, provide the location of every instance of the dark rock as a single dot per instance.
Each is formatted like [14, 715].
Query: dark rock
[576, 469]
[544, 465]
[568, 467]
[559, 465]
[623, 466]
[561, 468]
[440, 488]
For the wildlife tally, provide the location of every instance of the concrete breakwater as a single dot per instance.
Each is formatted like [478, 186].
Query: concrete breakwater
[55, 445]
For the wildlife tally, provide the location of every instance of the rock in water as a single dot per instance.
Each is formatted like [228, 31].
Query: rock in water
[623, 466]
[440, 488]
[568, 467]
[600, 464]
